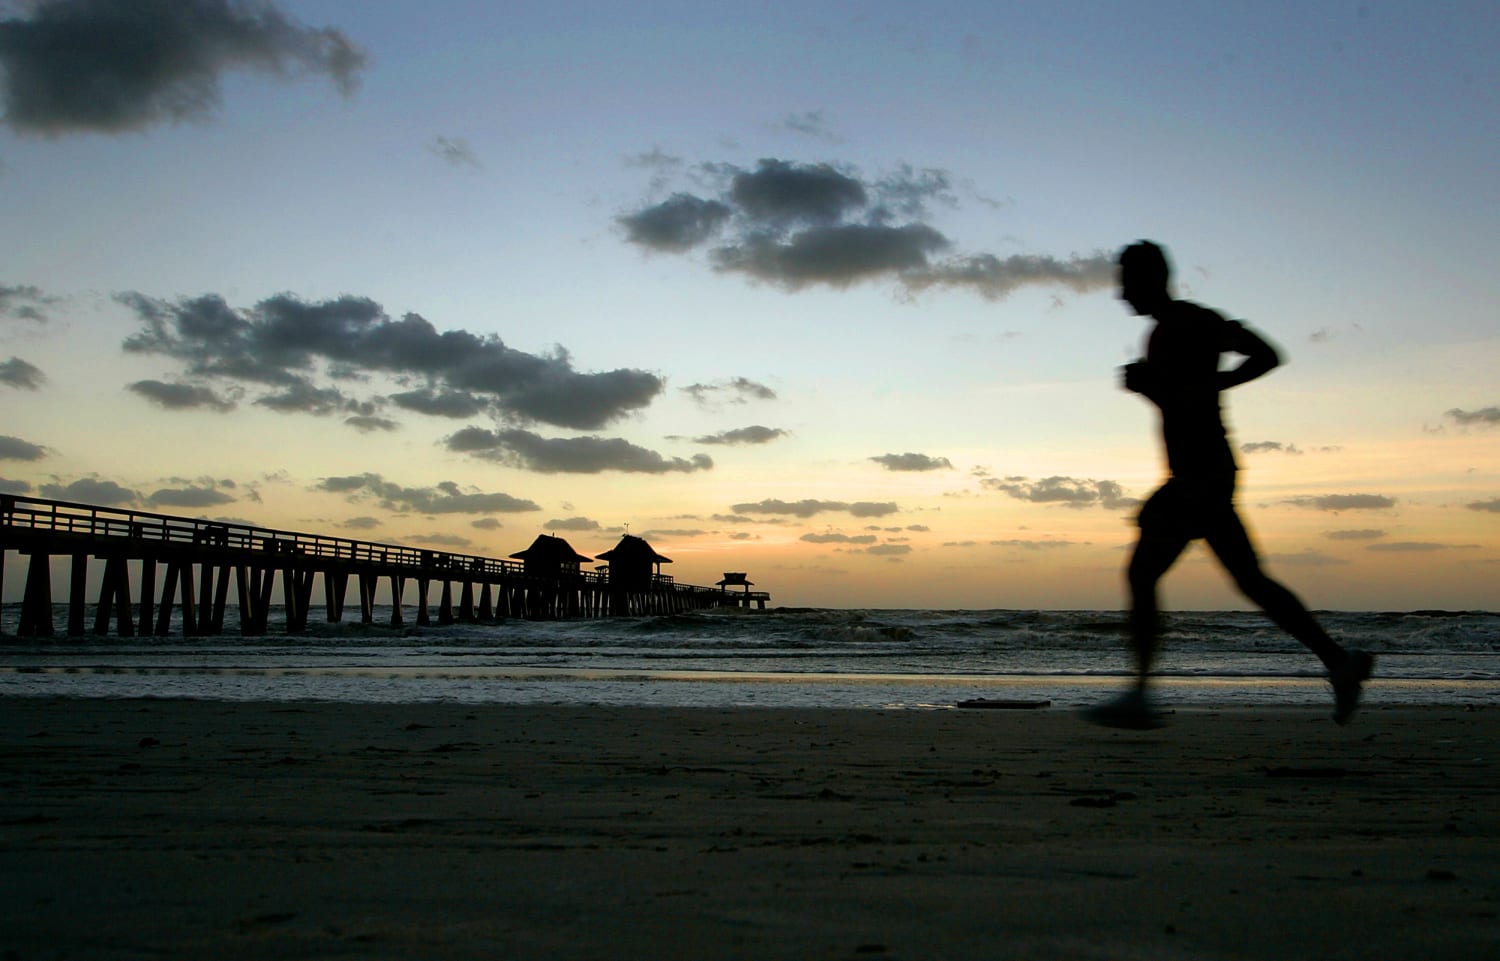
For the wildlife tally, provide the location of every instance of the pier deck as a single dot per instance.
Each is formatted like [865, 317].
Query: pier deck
[200, 560]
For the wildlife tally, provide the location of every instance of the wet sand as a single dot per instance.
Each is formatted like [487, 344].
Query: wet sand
[133, 829]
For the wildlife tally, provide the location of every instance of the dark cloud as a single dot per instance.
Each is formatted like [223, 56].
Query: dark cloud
[362, 523]
[8, 486]
[110, 66]
[444, 498]
[796, 225]
[837, 255]
[14, 448]
[835, 538]
[889, 550]
[284, 343]
[91, 490]
[1269, 446]
[572, 524]
[1418, 547]
[1067, 491]
[190, 497]
[569, 455]
[1366, 534]
[912, 462]
[740, 390]
[1491, 506]
[24, 302]
[754, 434]
[457, 404]
[1344, 502]
[486, 524]
[180, 396]
[19, 374]
[441, 540]
[369, 423]
[810, 508]
[1026, 545]
[1485, 416]
[677, 224]
[455, 151]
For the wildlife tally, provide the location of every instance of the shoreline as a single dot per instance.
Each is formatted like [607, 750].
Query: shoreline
[301, 829]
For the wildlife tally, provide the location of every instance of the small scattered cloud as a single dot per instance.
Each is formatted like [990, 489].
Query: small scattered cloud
[811, 123]
[523, 449]
[1064, 491]
[1489, 506]
[91, 490]
[455, 151]
[1364, 534]
[1307, 558]
[1483, 416]
[572, 524]
[24, 301]
[361, 523]
[893, 551]
[486, 524]
[810, 508]
[1269, 446]
[14, 448]
[740, 390]
[1033, 545]
[1344, 502]
[19, 374]
[369, 423]
[1418, 547]
[191, 497]
[912, 462]
[112, 66]
[797, 225]
[832, 537]
[10, 486]
[754, 434]
[441, 540]
[180, 396]
[443, 498]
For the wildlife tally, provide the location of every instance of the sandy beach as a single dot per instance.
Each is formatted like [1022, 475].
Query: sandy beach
[153, 828]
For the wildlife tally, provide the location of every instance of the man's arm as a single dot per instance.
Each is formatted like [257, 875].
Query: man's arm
[1260, 357]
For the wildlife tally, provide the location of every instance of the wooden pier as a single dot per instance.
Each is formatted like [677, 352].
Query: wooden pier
[190, 566]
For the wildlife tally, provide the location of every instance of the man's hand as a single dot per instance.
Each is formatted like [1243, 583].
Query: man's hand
[1136, 377]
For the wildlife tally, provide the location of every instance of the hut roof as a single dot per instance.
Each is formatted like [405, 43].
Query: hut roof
[632, 548]
[546, 547]
[731, 577]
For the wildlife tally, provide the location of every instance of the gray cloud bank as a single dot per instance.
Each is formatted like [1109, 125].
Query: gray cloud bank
[569, 455]
[796, 225]
[296, 350]
[809, 508]
[442, 498]
[1064, 491]
[109, 66]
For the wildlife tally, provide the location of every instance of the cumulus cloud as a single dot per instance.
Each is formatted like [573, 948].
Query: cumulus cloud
[809, 508]
[14, 448]
[25, 301]
[1344, 502]
[19, 374]
[284, 345]
[190, 497]
[797, 225]
[91, 490]
[1066, 491]
[740, 390]
[1269, 446]
[569, 455]
[443, 498]
[110, 66]
[574, 524]
[1484, 416]
[369, 423]
[754, 434]
[177, 396]
[362, 523]
[836, 538]
[912, 462]
[1491, 506]
[10, 486]
[455, 151]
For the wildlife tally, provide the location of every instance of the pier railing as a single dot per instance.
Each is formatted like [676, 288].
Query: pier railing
[490, 587]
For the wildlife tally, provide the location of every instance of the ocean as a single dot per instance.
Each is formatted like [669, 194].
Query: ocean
[784, 657]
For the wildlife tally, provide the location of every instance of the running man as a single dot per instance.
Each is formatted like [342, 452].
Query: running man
[1180, 374]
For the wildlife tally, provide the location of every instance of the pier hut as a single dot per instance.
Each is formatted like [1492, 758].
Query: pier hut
[551, 556]
[635, 577]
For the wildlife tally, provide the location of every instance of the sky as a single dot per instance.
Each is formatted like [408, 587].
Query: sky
[819, 292]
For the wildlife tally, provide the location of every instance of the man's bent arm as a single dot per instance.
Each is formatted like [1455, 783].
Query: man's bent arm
[1260, 357]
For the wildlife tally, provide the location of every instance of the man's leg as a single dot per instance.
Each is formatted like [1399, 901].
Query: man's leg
[1347, 670]
[1155, 553]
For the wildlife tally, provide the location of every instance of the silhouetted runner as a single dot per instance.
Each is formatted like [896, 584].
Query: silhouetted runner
[1180, 374]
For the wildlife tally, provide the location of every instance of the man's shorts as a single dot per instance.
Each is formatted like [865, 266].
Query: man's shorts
[1190, 508]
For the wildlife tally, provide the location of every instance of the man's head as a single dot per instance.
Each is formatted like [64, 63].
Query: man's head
[1145, 277]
